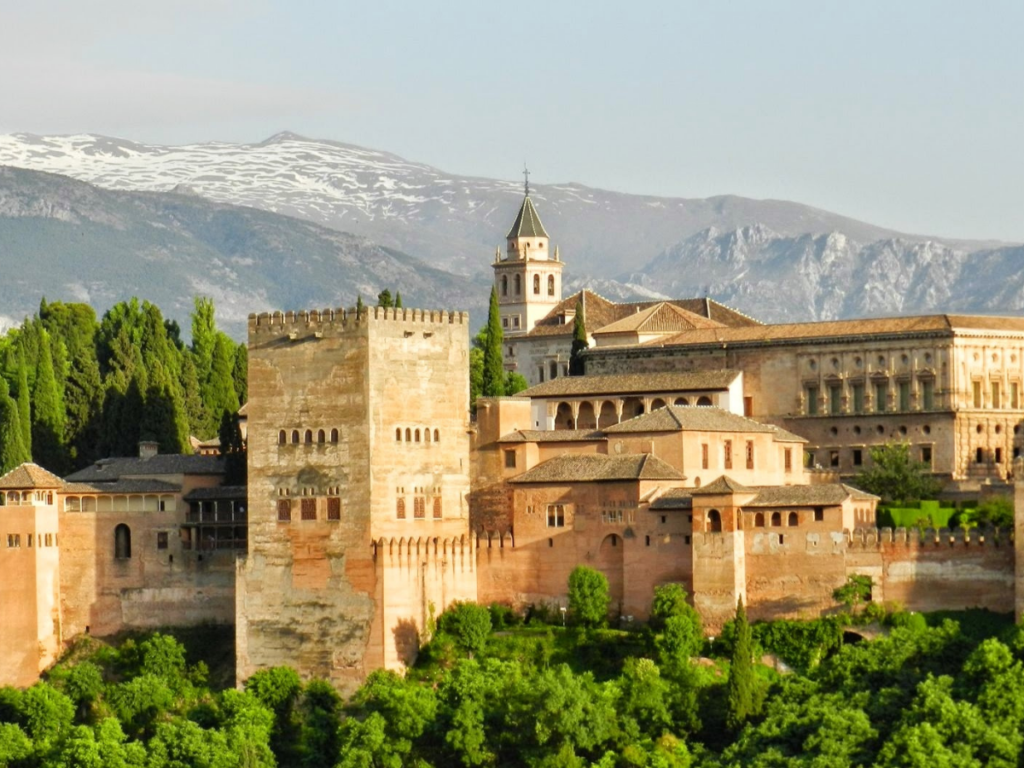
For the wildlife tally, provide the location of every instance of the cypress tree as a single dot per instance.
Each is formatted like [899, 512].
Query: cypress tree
[740, 687]
[12, 446]
[204, 337]
[384, 299]
[398, 300]
[359, 305]
[48, 415]
[195, 410]
[232, 447]
[493, 381]
[579, 341]
[240, 373]
[164, 418]
[220, 393]
[24, 405]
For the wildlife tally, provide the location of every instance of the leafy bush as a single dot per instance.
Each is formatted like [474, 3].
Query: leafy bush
[910, 620]
[468, 624]
[503, 617]
[588, 597]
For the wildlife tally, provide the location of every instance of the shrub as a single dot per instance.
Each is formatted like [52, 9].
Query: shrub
[503, 617]
[468, 624]
[915, 622]
[669, 600]
[588, 596]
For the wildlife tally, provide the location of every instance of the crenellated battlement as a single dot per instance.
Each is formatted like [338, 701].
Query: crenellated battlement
[345, 319]
[929, 538]
[423, 547]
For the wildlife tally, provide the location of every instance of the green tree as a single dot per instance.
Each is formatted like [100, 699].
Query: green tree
[12, 447]
[669, 600]
[398, 300]
[515, 383]
[359, 305]
[240, 373]
[855, 591]
[493, 375]
[321, 717]
[994, 512]
[468, 624]
[165, 418]
[384, 299]
[47, 412]
[588, 596]
[740, 688]
[204, 336]
[644, 701]
[579, 341]
[232, 447]
[219, 394]
[896, 476]
[198, 417]
[24, 397]
[680, 640]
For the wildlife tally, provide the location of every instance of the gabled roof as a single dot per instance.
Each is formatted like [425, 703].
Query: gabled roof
[818, 494]
[236, 492]
[659, 318]
[724, 485]
[695, 418]
[674, 498]
[600, 312]
[633, 383]
[123, 486]
[551, 436]
[30, 475]
[527, 223]
[109, 470]
[591, 468]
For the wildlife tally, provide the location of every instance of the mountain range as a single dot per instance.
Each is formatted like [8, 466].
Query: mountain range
[774, 260]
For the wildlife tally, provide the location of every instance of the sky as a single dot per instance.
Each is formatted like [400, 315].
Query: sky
[906, 114]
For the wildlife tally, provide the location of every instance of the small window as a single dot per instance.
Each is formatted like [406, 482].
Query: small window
[309, 437]
[437, 507]
[504, 285]
[664, 518]
[704, 455]
[556, 516]
[551, 542]
[858, 457]
[122, 542]
[282, 438]
[833, 459]
[518, 284]
[794, 519]
[308, 509]
[295, 437]
[686, 539]
[750, 454]
[437, 435]
[979, 456]
[819, 515]
[504, 322]
[759, 520]
[426, 435]
[321, 437]
[926, 455]
[400, 508]
[999, 455]
[554, 370]
[408, 435]
[551, 285]
[161, 539]
[714, 521]
[812, 401]
[782, 538]
[334, 435]
[30, 540]
[787, 459]
[536, 284]
[419, 508]
[284, 510]
[417, 435]
[398, 435]
[647, 541]
[776, 519]
[727, 454]
[976, 393]
[333, 508]
[510, 459]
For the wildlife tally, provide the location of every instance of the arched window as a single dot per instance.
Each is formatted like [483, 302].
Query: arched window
[794, 519]
[436, 435]
[682, 401]
[122, 542]
[309, 437]
[417, 435]
[776, 519]
[295, 437]
[426, 435]
[714, 521]
[536, 283]
[704, 400]
[551, 285]
[398, 436]
[321, 436]
[282, 437]
[408, 435]
[518, 284]
[504, 285]
[334, 435]
[759, 520]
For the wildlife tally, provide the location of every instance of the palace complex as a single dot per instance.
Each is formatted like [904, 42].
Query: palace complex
[701, 447]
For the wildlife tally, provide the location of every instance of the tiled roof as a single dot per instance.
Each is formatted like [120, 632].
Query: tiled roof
[600, 313]
[674, 498]
[660, 318]
[527, 223]
[107, 470]
[219, 492]
[823, 494]
[695, 418]
[592, 468]
[30, 475]
[785, 436]
[633, 383]
[123, 486]
[859, 328]
[551, 436]
[724, 485]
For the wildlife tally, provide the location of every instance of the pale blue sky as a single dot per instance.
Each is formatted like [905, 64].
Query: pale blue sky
[905, 114]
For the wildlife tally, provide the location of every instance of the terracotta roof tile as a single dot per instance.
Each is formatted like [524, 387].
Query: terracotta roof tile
[633, 383]
[551, 436]
[107, 470]
[660, 318]
[823, 494]
[695, 418]
[123, 486]
[30, 475]
[724, 485]
[596, 468]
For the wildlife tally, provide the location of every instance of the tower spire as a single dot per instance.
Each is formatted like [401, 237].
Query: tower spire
[526, 177]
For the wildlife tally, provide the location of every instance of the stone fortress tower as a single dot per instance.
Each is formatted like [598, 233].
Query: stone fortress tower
[358, 474]
[529, 279]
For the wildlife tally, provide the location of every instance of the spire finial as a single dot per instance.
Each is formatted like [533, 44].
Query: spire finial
[526, 176]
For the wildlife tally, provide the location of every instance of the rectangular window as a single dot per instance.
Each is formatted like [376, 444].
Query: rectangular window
[437, 507]
[556, 516]
[686, 539]
[49, 539]
[400, 508]
[419, 508]
[812, 401]
[787, 459]
[309, 509]
[999, 460]
[926, 455]
[748, 406]
[510, 459]
[727, 454]
[881, 394]
[333, 508]
[540, 374]
[858, 397]
[30, 539]
[704, 459]
[979, 456]
[976, 393]
[833, 459]
[858, 457]
[995, 395]
[927, 395]
[284, 510]
[504, 322]
[835, 399]
[904, 395]
[515, 321]
[1014, 394]
[161, 539]
[750, 454]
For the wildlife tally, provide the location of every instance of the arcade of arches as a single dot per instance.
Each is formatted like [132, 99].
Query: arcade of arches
[606, 412]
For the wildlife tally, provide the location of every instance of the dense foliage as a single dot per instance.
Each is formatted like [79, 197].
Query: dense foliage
[579, 342]
[895, 475]
[74, 389]
[946, 691]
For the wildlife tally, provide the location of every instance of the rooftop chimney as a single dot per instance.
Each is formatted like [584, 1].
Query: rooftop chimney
[148, 449]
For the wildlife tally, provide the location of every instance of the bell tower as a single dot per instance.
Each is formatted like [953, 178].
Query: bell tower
[528, 280]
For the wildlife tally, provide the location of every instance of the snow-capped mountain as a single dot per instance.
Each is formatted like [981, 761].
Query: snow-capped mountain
[454, 222]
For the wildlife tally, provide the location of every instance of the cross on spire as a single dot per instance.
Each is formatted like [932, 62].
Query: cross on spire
[526, 176]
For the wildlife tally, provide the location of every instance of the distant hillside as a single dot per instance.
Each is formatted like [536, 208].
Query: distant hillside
[68, 240]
